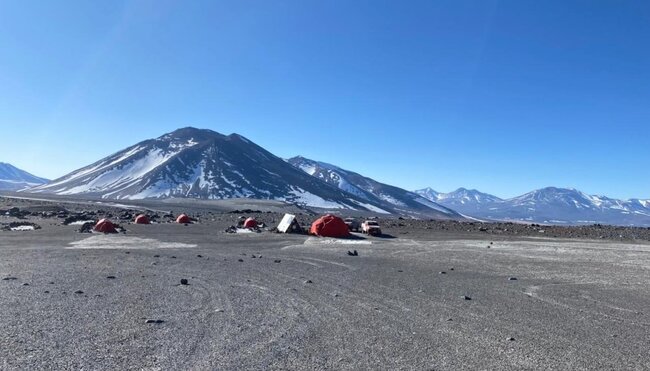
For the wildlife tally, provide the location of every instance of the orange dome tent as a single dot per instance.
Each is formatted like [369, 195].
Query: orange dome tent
[329, 226]
[142, 219]
[183, 219]
[105, 226]
[250, 223]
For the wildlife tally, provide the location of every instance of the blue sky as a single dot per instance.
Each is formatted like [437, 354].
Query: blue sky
[502, 96]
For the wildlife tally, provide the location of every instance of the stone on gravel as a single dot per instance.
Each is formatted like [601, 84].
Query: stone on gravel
[154, 321]
[9, 279]
[240, 260]
[465, 297]
[184, 281]
[25, 284]
[110, 277]
[309, 281]
[277, 261]
[512, 278]
[511, 339]
[442, 272]
[78, 292]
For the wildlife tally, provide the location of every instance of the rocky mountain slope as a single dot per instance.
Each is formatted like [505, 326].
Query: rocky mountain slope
[367, 188]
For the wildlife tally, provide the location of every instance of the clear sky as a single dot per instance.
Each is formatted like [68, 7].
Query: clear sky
[502, 96]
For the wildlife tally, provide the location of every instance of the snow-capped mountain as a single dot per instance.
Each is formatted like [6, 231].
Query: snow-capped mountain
[465, 201]
[551, 205]
[368, 189]
[197, 163]
[13, 178]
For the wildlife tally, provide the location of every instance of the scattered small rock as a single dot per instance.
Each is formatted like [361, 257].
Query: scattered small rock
[450, 319]
[110, 277]
[465, 297]
[277, 261]
[451, 269]
[78, 292]
[154, 321]
[511, 339]
[25, 284]
[353, 253]
[219, 310]
[199, 256]
[309, 281]
[156, 256]
[172, 257]
[442, 272]
[46, 292]
[240, 260]
[184, 281]
[9, 279]
[512, 278]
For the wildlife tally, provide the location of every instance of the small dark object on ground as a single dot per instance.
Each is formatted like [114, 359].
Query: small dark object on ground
[240, 260]
[277, 261]
[512, 278]
[110, 277]
[199, 256]
[511, 339]
[184, 281]
[465, 297]
[25, 284]
[442, 272]
[353, 253]
[154, 321]
[78, 292]
[309, 281]
[9, 279]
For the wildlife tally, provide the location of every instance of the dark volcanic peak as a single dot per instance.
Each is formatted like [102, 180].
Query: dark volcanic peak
[390, 197]
[13, 178]
[199, 163]
[551, 205]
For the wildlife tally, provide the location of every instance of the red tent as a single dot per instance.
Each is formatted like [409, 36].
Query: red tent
[105, 226]
[183, 219]
[329, 226]
[250, 223]
[142, 219]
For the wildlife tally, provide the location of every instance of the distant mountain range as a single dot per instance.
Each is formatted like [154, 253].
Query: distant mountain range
[13, 178]
[197, 163]
[548, 205]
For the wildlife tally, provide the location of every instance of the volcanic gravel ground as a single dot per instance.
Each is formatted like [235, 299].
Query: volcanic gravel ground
[416, 300]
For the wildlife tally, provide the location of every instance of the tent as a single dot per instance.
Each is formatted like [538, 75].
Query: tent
[250, 223]
[329, 226]
[142, 219]
[183, 219]
[289, 224]
[105, 226]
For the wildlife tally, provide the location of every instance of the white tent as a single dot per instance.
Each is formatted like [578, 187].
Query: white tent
[289, 224]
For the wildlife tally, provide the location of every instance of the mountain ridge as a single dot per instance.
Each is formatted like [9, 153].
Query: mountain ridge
[553, 205]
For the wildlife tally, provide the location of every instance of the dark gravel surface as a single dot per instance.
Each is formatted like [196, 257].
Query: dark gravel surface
[297, 302]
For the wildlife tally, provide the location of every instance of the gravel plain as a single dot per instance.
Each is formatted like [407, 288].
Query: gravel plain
[417, 298]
